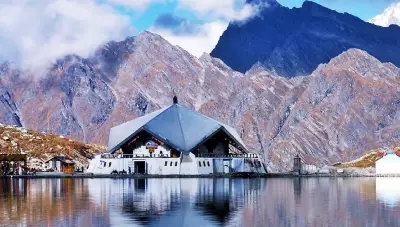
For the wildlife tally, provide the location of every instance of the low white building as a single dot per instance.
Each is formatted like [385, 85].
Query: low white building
[172, 141]
[388, 164]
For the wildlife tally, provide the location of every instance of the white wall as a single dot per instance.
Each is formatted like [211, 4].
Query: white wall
[157, 166]
[389, 164]
[93, 164]
[153, 165]
[206, 166]
[186, 165]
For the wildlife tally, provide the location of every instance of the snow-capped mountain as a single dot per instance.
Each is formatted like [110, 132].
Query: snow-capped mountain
[391, 15]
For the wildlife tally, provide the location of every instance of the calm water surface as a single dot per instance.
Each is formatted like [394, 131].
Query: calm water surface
[200, 202]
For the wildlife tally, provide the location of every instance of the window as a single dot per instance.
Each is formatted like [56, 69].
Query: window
[208, 163]
[109, 164]
[170, 164]
[166, 163]
[176, 163]
[200, 164]
[105, 163]
[204, 163]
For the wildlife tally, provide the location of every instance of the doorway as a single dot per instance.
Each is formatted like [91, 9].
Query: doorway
[140, 167]
[227, 166]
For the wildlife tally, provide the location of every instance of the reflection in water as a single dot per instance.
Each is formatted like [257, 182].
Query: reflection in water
[200, 202]
[388, 191]
[179, 202]
[48, 202]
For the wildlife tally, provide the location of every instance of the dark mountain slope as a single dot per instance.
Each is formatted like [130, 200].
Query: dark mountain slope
[293, 42]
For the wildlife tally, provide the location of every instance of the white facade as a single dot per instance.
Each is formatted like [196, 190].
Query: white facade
[167, 165]
[389, 164]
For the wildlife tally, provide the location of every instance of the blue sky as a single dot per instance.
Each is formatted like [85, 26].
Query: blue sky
[207, 19]
[59, 27]
[364, 9]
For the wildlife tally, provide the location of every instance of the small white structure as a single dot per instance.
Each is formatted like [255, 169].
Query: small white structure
[388, 164]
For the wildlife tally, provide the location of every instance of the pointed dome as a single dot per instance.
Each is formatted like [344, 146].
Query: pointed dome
[180, 127]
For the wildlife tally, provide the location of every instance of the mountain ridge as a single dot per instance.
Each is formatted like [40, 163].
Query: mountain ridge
[84, 98]
[293, 42]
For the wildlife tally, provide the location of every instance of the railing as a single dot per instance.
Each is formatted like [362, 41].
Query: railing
[227, 156]
[109, 156]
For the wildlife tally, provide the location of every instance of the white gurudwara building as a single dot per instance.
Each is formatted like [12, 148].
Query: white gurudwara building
[175, 141]
[388, 164]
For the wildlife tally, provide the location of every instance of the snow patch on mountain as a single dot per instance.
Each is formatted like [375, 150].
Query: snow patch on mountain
[390, 16]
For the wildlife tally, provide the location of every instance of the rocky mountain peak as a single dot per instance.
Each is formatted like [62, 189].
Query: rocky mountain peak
[352, 58]
[293, 42]
[362, 63]
[147, 36]
[311, 4]
[314, 9]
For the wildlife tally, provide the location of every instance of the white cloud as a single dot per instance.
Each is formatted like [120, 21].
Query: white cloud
[224, 9]
[391, 15]
[206, 36]
[135, 4]
[35, 33]
[204, 40]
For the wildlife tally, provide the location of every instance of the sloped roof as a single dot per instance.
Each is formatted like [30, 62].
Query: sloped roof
[61, 159]
[176, 125]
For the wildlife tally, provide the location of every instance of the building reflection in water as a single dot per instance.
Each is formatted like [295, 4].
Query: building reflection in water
[178, 202]
[200, 202]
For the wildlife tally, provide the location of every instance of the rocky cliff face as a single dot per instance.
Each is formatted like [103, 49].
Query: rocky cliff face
[293, 42]
[348, 105]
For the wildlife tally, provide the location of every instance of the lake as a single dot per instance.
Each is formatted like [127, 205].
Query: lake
[200, 202]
